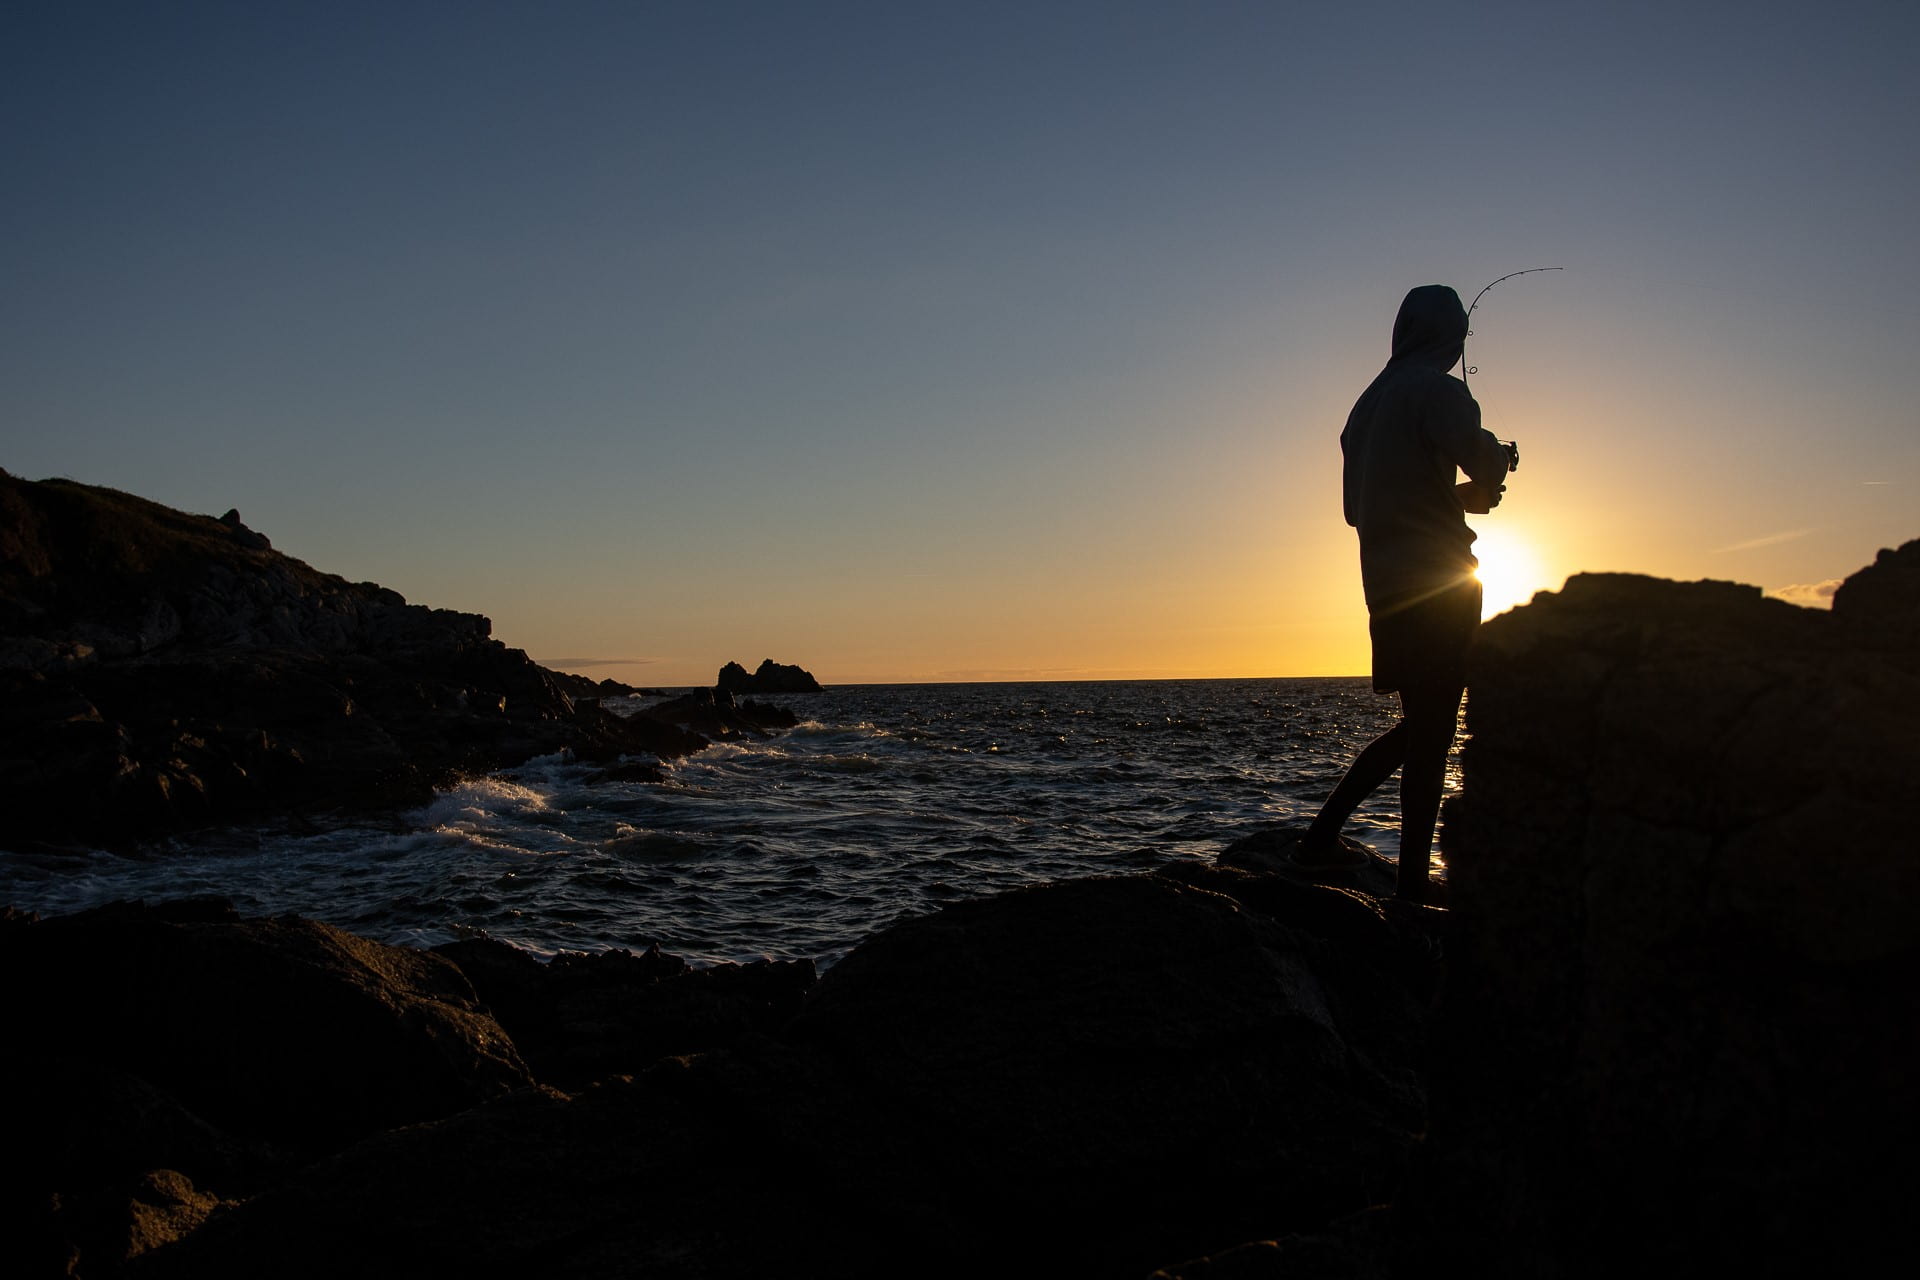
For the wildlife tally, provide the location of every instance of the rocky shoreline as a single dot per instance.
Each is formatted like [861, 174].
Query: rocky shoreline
[1087, 1078]
[162, 671]
[1666, 1024]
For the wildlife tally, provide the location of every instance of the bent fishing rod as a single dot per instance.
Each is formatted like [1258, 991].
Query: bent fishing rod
[1466, 368]
[1513, 450]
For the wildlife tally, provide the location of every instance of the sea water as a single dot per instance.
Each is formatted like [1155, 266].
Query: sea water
[887, 801]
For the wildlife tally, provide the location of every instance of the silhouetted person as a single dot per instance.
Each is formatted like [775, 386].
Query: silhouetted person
[1409, 431]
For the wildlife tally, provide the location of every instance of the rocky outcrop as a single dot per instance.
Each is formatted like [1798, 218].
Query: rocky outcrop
[1117, 1071]
[1879, 607]
[769, 677]
[159, 1062]
[583, 688]
[718, 715]
[160, 670]
[1091, 1077]
[581, 1018]
[1679, 1019]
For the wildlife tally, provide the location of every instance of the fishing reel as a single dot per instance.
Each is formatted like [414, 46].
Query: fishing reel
[1513, 454]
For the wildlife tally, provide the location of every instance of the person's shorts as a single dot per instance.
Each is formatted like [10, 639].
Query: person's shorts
[1424, 645]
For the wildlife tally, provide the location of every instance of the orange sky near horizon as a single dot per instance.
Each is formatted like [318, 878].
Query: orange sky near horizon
[997, 341]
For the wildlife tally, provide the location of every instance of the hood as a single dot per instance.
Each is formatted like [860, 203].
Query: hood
[1431, 328]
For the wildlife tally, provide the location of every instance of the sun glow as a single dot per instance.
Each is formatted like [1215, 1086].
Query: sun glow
[1510, 571]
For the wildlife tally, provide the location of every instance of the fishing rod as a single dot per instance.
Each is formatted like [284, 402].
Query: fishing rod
[1466, 368]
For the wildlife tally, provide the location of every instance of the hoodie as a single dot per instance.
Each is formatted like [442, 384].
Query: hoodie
[1408, 432]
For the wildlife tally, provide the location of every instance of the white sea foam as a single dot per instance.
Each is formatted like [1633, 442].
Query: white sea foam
[478, 801]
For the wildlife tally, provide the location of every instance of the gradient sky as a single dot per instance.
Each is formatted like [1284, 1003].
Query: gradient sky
[956, 341]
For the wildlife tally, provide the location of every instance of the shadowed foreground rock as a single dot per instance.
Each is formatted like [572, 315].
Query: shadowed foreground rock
[1120, 1067]
[160, 1059]
[580, 1018]
[1088, 1078]
[1681, 1016]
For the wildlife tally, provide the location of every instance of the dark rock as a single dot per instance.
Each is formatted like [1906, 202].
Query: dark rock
[770, 677]
[1059, 1050]
[629, 771]
[160, 1062]
[714, 1167]
[1880, 605]
[1358, 1247]
[1090, 1078]
[241, 534]
[1267, 850]
[160, 670]
[578, 687]
[767, 716]
[715, 714]
[283, 1031]
[1679, 1015]
[580, 1018]
[101, 1166]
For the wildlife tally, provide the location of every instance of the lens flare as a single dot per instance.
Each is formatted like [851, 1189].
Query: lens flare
[1510, 571]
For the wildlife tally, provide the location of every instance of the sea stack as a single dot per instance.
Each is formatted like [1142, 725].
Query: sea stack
[771, 677]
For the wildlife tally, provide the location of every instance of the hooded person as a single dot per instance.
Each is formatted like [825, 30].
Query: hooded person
[1411, 432]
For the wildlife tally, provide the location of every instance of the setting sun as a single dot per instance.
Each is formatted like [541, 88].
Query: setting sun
[1510, 571]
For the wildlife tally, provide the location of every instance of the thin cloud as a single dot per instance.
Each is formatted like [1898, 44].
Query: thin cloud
[1809, 595]
[1769, 540]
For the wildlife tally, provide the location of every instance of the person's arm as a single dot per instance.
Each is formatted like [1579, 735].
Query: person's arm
[1453, 424]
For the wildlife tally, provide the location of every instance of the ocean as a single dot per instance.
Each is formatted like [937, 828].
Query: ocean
[887, 801]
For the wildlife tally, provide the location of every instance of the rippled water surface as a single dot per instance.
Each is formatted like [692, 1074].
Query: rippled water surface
[887, 801]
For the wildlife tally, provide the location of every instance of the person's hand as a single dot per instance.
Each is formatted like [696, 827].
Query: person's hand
[1477, 499]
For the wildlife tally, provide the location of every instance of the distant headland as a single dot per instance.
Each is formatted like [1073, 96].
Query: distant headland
[161, 670]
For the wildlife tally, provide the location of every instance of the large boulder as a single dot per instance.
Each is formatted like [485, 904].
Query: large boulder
[709, 1168]
[284, 1031]
[578, 1018]
[1124, 1070]
[162, 1061]
[1679, 1021]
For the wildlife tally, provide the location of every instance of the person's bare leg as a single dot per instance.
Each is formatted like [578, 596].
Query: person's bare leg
[1429, 717]
[1373, 766]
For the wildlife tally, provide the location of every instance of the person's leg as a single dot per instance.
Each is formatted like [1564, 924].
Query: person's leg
[1429, 716]
[1373, 766]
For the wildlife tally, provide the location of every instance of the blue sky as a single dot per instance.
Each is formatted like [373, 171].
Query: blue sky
[935, 341]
